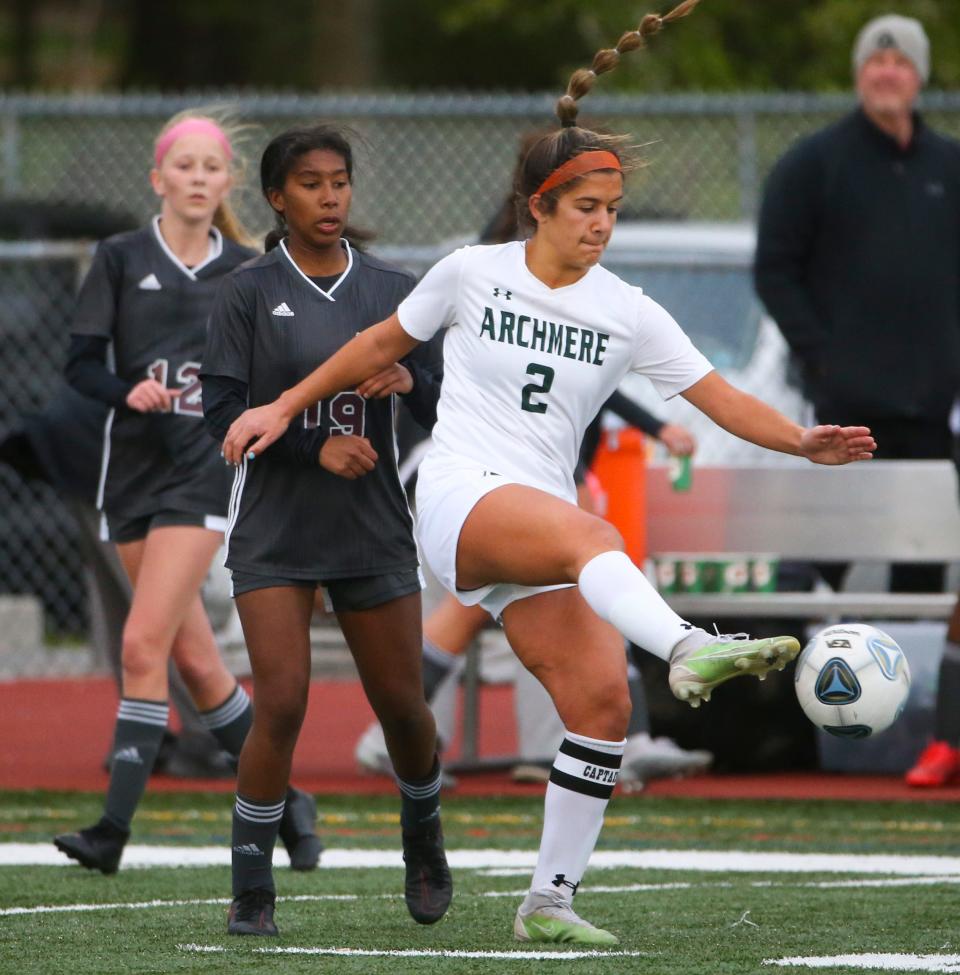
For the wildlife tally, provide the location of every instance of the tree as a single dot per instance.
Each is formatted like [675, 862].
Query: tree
[725, 45]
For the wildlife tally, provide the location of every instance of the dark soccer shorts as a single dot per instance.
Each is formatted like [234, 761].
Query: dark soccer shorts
[341, 595]
[122, 530]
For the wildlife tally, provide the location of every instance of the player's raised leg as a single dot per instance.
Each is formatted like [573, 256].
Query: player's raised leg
[553, 541]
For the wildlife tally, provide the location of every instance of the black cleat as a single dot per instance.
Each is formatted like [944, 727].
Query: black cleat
[97, 847]
[298, 830]
[252, 913]
[428, 887]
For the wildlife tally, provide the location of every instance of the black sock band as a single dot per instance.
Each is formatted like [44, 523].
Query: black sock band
[586, 770]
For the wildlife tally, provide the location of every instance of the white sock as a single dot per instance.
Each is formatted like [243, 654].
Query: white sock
[581, 782]
[618, 592]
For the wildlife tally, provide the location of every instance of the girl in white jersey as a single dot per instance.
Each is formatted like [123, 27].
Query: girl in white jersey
[539, 335]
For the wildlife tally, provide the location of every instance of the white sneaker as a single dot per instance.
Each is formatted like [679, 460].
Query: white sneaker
[546, 916]
[371, 752]
[647, 758]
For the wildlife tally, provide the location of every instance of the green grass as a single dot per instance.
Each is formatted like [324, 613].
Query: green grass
[699, 928]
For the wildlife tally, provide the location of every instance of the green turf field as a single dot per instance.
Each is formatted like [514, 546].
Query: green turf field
[721, 913]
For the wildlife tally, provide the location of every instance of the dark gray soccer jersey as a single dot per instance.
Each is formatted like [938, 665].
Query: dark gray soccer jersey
[271, 326]
[155, 310]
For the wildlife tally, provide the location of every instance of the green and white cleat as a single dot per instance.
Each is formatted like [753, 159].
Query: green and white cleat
[546, 917]
[703, 660]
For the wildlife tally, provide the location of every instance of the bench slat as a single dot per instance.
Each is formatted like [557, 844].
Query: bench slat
[813, 605]
[879, 510]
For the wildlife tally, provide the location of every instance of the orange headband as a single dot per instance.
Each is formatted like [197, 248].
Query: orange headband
[586, 162]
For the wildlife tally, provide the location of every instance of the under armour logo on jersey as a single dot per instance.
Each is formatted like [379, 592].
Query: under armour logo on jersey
[150, 283]
[502, 291]
[130, 754]
[561, 881]
[282, 310]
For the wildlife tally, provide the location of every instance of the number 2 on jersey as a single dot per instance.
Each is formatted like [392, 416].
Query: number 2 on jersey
[190, 400]
[546, 375]
[347, 415]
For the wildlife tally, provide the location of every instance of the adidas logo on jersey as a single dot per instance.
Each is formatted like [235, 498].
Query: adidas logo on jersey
[282, 310]
[150, 283]
[130, 754]
[248, 849]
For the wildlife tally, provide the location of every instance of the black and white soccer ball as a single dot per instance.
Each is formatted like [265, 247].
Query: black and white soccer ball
[852, 680]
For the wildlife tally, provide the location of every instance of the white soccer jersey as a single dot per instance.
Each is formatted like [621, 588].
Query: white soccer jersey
[527, 367]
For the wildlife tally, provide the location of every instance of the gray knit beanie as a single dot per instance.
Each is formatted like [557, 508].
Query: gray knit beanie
[903, 33]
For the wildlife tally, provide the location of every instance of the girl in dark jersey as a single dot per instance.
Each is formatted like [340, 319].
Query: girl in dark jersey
[163, 488]
[325, 509]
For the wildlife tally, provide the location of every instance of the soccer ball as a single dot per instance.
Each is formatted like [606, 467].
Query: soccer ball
[852, 680]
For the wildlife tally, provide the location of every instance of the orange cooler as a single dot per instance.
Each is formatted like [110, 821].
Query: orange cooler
[620, 464]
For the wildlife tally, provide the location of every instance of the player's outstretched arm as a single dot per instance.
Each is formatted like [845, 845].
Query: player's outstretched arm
[370, 352]
[830, 444]
[751, 419]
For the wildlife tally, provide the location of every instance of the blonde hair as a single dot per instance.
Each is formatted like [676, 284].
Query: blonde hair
[225, 218]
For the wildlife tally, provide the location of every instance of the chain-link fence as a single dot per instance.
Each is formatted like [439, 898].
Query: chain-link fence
[38, 547]
[431, 169]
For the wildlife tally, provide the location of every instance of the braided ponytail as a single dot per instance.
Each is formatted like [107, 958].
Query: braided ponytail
[553, 150]
[583, 79]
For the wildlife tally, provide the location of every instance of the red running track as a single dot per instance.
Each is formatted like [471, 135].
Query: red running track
[55, 734]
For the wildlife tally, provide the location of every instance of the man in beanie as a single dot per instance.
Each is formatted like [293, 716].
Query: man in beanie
[858, 261]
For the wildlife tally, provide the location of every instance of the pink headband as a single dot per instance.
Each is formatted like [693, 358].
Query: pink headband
[191, 126]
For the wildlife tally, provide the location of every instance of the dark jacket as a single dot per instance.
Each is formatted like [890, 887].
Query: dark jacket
[858, 261]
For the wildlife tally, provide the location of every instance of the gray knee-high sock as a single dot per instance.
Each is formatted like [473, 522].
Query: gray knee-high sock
[136, 741]
[639, 713]
[947, 721]
[229, 722]
[255, 825]
[437, 663]
[420, 800]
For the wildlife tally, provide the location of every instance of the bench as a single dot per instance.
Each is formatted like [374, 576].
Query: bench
[882, 511]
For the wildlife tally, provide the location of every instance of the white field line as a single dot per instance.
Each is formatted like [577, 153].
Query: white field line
[727, 861]
[874, 962]
[430, 953]
[193, 902]
[513, 894]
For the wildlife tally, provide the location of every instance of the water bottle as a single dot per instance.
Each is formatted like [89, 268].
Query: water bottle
[681, 472]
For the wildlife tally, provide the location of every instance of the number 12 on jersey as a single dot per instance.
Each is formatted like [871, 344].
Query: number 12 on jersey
[543, 387]
[190, 400]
